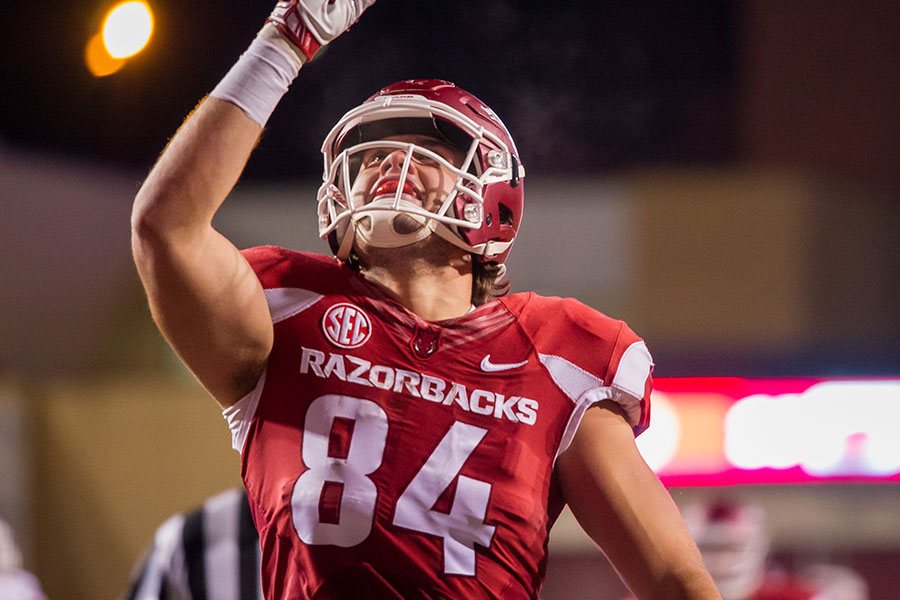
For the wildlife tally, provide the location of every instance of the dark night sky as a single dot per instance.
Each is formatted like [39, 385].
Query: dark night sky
[583, 86]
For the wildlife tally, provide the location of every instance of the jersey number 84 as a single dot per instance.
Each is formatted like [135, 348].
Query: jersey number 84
[460, 529]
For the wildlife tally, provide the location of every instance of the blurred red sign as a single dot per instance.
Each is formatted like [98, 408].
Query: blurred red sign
[713, 431]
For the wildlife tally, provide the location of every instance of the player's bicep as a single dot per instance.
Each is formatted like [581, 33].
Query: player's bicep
[621, 504]
[211, 308]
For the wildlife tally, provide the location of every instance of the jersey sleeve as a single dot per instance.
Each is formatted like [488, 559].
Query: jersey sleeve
[590, 356]
[630, 373]
[270, 263]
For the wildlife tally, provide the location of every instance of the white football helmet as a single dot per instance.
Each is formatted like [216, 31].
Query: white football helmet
[482, 212]
[734, 542]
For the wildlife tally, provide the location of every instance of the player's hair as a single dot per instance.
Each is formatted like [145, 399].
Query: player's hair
[484, 288]
[484, 274]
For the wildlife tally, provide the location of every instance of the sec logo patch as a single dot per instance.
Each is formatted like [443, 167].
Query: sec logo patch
[346, 326]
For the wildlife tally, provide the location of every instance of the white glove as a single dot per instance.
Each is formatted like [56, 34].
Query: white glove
[329, 18]
[310, 24]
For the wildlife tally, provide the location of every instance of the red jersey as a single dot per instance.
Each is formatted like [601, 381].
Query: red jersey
[390, 457]
[784, 587]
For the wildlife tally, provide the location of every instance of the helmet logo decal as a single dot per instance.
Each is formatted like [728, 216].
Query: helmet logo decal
[346, 325]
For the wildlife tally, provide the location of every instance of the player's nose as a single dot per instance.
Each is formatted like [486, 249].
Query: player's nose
[394, 161]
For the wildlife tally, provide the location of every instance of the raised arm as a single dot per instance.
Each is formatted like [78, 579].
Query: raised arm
[624, 508]
[203, 295]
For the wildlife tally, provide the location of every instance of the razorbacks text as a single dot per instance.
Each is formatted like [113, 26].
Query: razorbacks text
[362, 372]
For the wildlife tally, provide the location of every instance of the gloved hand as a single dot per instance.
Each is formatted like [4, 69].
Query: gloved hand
[310, 24]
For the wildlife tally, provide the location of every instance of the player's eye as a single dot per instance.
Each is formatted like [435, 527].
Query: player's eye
[424, 159]
[374, 157]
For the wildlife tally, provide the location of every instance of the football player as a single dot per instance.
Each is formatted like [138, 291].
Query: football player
[734, 541]
[406, 429]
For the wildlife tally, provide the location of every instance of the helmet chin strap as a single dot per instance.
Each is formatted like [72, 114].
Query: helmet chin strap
[376, 226]
[379, 228]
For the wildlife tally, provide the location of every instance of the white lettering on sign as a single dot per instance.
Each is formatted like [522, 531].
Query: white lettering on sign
[833, 428]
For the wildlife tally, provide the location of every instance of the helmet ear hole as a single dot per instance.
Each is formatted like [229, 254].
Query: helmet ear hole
[333, 242]
[506, 215]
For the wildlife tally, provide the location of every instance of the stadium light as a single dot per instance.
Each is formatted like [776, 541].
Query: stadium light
[98, 60]
[125, 31]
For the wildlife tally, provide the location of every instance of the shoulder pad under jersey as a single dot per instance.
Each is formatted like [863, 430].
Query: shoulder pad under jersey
[581, 347]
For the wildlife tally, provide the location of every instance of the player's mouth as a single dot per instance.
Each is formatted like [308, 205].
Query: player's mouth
[389, 188]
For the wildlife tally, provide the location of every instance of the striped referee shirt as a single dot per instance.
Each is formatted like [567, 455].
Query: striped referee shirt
[211, 553]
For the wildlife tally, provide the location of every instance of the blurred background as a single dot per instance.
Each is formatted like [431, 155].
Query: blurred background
[722, 175]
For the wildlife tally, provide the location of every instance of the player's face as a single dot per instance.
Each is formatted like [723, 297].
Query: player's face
[427, 181]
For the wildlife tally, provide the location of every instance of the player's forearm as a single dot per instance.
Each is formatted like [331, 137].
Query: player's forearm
[624, 508]
[203, 295]
[206, 157]
[195, 173]
[672, 566]
[682, 583]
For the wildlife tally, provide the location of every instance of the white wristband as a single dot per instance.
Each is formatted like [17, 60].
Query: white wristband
[258, 80]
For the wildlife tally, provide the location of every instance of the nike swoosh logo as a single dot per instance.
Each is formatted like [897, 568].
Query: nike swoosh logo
[487, 365]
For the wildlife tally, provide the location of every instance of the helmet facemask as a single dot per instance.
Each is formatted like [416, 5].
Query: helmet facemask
[390, 210]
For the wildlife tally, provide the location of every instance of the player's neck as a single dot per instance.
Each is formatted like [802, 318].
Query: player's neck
[434, 292]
